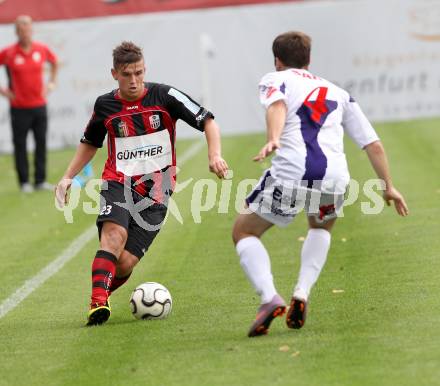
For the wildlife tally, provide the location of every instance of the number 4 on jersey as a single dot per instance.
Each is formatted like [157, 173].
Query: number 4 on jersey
[319, 106]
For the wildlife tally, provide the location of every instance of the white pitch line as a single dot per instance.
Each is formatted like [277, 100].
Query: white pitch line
[71, 251]
[51, 269]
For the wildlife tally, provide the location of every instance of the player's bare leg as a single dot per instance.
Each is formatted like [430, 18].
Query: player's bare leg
[255, 261]
[313, 257]
[124, 267]
[113, 239]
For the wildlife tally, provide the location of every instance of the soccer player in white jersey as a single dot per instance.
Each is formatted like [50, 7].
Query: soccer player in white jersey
[306, 119]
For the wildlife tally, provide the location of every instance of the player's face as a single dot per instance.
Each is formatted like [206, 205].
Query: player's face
[24, 32]
[131, 80]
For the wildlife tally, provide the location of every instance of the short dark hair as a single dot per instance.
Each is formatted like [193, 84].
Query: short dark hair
[293, 49]
[126, 53]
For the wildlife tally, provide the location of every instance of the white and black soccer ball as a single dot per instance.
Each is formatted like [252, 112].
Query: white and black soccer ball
[151, 301]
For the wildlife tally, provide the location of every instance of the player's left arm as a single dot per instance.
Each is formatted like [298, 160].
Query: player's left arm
[53, 70]
[378, 159]
[357, 126]
[217, 164]
[181, 106]
[275, 120]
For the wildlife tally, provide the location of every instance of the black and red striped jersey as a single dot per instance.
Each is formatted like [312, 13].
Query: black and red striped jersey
[141, 136]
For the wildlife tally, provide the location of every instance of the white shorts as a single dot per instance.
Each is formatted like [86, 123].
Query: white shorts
[279, 202]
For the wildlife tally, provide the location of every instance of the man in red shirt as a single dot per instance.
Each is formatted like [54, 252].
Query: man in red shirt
[27, 92]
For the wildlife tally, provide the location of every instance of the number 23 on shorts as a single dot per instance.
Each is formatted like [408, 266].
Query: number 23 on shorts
[106, 209]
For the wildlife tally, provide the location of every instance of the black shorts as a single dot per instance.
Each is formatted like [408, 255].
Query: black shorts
[140, 216]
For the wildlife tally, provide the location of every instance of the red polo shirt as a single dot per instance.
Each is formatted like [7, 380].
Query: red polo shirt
[25, 73]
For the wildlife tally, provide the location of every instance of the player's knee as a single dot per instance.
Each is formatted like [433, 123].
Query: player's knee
[239, 232]
[236, 232]
[113, 238]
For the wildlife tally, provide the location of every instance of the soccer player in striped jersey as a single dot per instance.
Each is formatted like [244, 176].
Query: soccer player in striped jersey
[139, 120]
[306, 117]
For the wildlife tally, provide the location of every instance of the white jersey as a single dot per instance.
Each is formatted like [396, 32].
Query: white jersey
[318, 113]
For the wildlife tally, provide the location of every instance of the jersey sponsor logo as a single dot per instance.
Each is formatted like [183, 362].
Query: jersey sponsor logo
[154, 121]
[140, 153]
[135, 107]
[143, 154]
[188, 103]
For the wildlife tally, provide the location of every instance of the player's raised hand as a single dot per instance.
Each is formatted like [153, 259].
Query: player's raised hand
[267, 150]
[61, 190]
[392, 194]
[218, 166]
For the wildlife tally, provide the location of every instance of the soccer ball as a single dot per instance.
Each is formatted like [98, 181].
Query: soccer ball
[151, 301]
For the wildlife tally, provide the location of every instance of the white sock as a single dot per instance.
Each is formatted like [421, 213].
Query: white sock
[313, 257]
[255, 262]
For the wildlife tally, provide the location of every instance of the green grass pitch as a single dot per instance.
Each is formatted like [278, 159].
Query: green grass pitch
[380, 327]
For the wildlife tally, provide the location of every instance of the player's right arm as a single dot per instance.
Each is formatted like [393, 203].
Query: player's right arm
[273, 98]
[275, 121]
[84, 154]
[91, 141]
[5, 91]
[357, 126]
